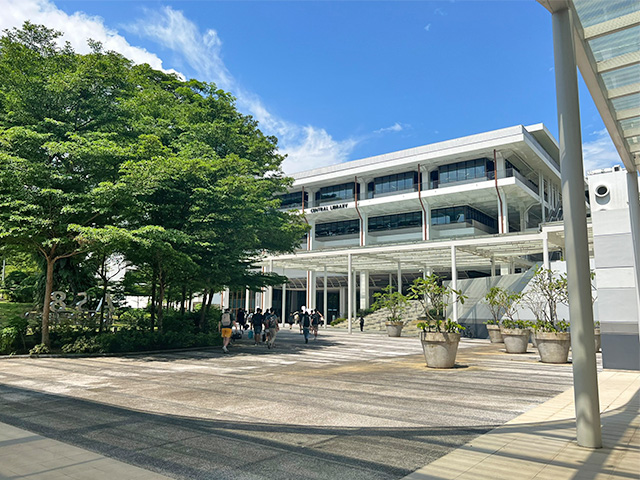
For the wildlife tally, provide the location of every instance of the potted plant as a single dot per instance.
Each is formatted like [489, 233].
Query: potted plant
[515, 334]
[500, 302]
[547, 290]
[439, 337]
[395, 303]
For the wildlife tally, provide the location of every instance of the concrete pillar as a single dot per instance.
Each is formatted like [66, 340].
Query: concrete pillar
[364, 233]
[284, 315]
[355, 293]
[454, 282]
[342, 299]
[391, 279]
[350, 290]
[364, 290]
[313, 290]
[270, 289]
[493, 267]
[545, 252]
[399, 277]
[523, 219]
[426, 218]
[634, 217]
[503, 213]
[226, 298]
[325, 303]
[311, 235]
[585, 380]
[247, 300]
[541, 195]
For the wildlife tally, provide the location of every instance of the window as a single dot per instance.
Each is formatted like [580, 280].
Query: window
[390, 184]
[335, 193]
[293, 200]
[334, 229]
[461, 214]
[462, 171]
[395, 222]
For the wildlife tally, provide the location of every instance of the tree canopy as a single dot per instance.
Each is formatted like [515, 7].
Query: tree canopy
[100, 156]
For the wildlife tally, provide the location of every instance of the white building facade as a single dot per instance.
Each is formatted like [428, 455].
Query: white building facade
[465, 208]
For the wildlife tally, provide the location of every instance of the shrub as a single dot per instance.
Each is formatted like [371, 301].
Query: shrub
[83, 345]
[509, 323]
[39, 349]
[337, 321]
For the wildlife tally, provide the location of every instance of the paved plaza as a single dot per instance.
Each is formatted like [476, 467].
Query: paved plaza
[359, 406]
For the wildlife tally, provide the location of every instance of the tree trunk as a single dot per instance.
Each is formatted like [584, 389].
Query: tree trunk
[203, 310]
[153, 300]
[103, 276]
[161, 288]
[46, 307]
[183, 300]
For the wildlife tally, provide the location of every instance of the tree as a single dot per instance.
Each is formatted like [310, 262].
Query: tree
[393, 301]
[434, 297]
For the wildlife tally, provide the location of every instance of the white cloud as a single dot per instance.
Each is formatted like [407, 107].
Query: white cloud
[427, 27]
[600, 152]
[77, 28]
[306, 146]
[396, 127]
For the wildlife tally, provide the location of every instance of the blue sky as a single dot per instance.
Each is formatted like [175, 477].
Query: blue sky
[337, 81]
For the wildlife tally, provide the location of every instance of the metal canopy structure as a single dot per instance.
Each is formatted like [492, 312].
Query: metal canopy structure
[607, 42]
[477, 252]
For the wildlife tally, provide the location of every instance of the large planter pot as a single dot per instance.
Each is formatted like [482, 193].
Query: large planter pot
[515, 340]
[533, 338]
[440, 349]
[596, 333]
[553, 347]
[394, 329]
[494, 333]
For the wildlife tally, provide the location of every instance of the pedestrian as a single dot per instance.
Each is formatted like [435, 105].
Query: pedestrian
[273, 327]
[240, 318]
[315, 321]
[256, 323]
[303, 309]
[305, 324]
[361, 323]
[291, 321]
[224, 327]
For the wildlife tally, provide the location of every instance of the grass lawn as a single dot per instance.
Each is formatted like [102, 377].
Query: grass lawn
[9, 309]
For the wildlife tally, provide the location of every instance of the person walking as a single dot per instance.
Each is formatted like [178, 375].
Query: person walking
[291, 321]
[240, 318]
[273, 327]
[305, 324]
[256, 323]
[361, 323]
[224, 327]
[315, 321]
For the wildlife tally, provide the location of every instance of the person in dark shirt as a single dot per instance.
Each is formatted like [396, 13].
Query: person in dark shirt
[256, 322]
[305, 323]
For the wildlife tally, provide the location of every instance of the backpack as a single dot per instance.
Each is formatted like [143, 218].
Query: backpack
[226, 320]
[305, 320]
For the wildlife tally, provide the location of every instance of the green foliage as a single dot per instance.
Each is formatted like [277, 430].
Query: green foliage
[545, 326]
[40, 349]
[501, 303]
[547, 289]
[393, 301]
[434, 298]
[83, 345]
[522, 324]
[337, 321]
[20, 286]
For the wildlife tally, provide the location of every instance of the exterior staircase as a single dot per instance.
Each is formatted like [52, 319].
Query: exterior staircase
[375, 322]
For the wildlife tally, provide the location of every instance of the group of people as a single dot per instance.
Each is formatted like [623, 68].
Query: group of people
[265, 325]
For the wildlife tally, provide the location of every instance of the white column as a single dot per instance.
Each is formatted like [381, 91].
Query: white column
[391, 279]
[399, 277]
[311, 234]
[427, 220]
[364, 290]
[523, 219]
[493, 266]
[270, 289]
[541, 195]
[500, 165]
[634, 217]
[343, 296]
[454, 281]
[283, 316]
[355, 293]
[503, 208]
[364, 235]
[226, 297]
[350, 290]
[313, 290]
[545, 252]
[247, 300]
[325, 303]
[585, 378]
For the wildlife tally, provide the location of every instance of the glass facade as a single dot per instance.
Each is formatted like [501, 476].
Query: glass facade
[461, 214]
[335, 193]
[334, 229]
[395, 222]
[390, 184]
[293, 200]
[462, 171]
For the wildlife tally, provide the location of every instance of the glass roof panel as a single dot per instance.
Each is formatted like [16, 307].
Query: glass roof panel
[633, 141]
[622, 76]
[592, 12]
[624, 103]
[630, 123]
[616, 44]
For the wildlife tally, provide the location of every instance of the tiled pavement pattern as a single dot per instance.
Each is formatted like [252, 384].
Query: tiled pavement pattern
[345, 407]
[541, 445]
